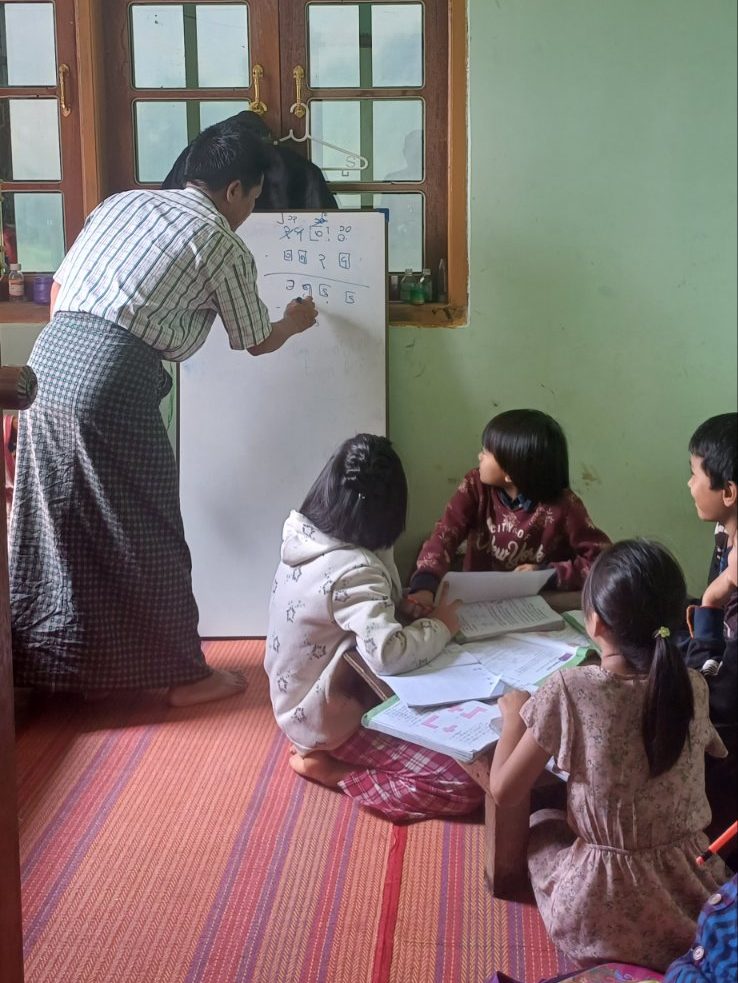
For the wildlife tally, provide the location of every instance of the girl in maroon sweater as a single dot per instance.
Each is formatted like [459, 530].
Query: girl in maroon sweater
[516, 511]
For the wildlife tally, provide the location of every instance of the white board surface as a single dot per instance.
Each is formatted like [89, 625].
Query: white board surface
[254, 432]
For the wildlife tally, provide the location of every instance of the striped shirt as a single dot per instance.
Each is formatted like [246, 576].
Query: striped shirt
[162, 264]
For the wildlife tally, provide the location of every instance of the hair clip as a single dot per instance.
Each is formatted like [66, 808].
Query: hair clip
[662, 632]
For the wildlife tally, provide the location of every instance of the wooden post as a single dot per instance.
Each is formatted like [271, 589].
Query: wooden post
[17, 391]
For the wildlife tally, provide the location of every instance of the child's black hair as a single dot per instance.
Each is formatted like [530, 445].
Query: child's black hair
[531, 447]
[637, 588]
[221, 155]
[360, 496]
[716, 443]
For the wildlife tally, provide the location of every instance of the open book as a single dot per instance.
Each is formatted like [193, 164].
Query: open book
[462, 731]
[486, 619]
[496, 603]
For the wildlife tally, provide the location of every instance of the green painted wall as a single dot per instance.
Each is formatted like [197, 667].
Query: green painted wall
[603, 258]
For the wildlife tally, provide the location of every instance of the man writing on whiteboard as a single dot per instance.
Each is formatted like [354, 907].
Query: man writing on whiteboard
[101, 592]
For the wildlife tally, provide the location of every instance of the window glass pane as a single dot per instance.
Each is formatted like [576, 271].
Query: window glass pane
[27, 44]
[338, 123]
[365, 44]
[406, 219]
[190, 45]
[163, 130]
[29, 140]
[388, 132]
[33, 230]
[161, 136]
[157, 39]
[333, 45]
[217, 110]
[397, 44]
[398, 140]
[222, 46]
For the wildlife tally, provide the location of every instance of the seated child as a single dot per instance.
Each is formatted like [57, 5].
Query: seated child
[713, 957]
[516, 511]
[615, 879]
[713, 648]
[335, 590]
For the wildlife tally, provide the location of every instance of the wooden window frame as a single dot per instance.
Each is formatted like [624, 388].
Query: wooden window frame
[69, 184]
[120, 98]
[444, 97]
[104, 153]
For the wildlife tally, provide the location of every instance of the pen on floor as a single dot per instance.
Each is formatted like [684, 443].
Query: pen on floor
[716, 845]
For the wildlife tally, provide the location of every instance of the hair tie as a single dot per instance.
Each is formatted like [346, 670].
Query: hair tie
[662, 632]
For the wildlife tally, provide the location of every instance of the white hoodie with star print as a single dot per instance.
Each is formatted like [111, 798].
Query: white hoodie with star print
[329, 597]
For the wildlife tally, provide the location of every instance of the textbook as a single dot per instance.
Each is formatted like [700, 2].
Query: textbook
[462, 731]
[486, 619]
[470, 586]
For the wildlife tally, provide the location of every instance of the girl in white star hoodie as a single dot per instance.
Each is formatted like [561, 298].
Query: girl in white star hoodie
[336, 589]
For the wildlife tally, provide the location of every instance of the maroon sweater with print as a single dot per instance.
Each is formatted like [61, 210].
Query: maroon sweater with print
[560, 535]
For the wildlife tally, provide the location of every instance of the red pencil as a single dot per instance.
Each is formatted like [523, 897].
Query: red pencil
[713, 848]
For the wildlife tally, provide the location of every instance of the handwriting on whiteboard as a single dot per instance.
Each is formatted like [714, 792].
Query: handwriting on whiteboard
[316, 258]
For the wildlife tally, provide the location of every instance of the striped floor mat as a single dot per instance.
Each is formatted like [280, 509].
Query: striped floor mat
[176, 845]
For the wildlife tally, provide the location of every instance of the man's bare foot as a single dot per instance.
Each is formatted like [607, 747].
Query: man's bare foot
[321, 767]
[221, 683]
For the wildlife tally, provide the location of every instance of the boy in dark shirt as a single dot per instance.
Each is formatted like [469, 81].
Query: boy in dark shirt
[713, 624]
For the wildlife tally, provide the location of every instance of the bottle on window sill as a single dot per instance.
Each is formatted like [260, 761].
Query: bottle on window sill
[426, 281]
[417, 294]
[407, 283]
[16, 283]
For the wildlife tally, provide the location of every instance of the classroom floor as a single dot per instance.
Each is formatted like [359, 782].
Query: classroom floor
[177, 845]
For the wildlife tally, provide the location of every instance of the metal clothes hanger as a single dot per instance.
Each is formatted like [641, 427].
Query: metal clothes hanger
[354, 161]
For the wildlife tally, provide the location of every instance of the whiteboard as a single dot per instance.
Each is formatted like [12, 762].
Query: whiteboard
[254, 432]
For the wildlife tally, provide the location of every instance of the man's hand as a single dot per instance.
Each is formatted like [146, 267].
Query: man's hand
[300, 315]
[526, 567]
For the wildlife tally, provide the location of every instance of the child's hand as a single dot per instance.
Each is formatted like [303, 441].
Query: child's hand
[511, 703]
[418, 604]
[526, 567]
[446, 611]
[732, 567]
[717, 593]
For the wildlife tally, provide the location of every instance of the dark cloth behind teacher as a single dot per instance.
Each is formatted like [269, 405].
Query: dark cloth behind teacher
[290, 180]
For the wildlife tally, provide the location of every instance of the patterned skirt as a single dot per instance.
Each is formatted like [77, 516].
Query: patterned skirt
[100, 574]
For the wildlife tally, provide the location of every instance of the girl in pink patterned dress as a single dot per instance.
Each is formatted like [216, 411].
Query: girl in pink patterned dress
[615, 878]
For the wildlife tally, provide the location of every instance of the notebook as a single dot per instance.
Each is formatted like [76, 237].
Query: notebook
[463, 731]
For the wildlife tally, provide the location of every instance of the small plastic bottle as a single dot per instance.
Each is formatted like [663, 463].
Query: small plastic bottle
[406, 286]
[417, 294]
[427, 283]
[16, 283]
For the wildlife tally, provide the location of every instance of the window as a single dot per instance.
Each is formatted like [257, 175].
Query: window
[39, 135]
[371, 78]
[383, 79]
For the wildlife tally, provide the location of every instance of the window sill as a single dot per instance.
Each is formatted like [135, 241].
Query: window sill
[23, 312]
[426, 315]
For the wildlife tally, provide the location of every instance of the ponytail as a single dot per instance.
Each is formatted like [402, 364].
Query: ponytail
[637, 588]
[668, 707]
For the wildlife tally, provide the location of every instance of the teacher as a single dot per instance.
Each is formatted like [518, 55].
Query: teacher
[100, 573]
